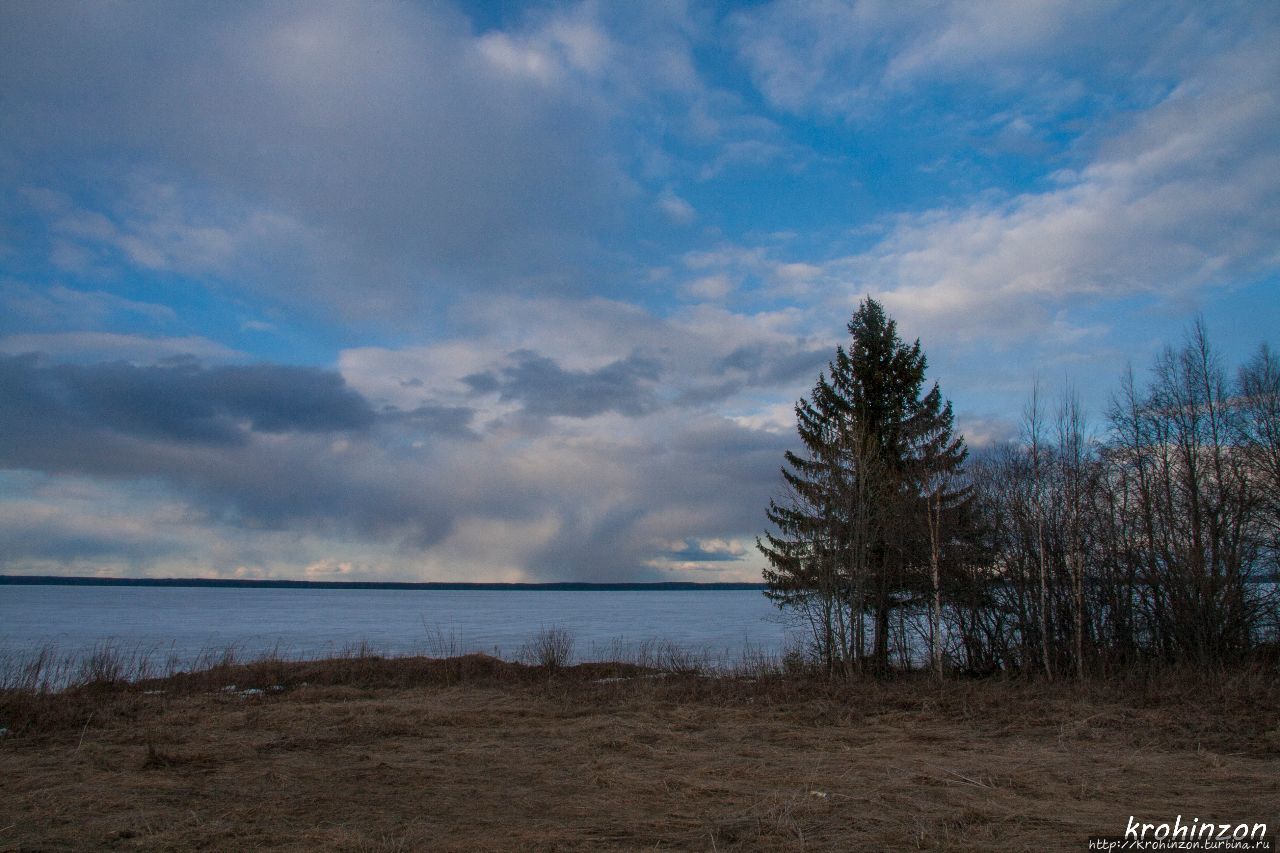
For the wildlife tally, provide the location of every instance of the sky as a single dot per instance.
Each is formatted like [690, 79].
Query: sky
[528, 291]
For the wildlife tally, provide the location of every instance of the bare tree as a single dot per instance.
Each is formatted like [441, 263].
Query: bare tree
[1259, 436]
[1071, 481]
[1033, 429]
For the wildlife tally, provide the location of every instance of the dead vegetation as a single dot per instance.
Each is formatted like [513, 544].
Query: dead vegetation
[473, 753]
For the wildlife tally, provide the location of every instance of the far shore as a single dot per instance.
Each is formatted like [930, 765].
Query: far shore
[563, 586]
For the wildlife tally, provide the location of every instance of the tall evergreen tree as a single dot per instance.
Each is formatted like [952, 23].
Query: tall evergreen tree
[868, 496]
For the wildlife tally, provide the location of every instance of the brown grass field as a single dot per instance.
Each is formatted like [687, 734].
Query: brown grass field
[476, 754]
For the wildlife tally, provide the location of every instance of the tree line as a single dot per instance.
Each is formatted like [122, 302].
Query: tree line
[1068, 552]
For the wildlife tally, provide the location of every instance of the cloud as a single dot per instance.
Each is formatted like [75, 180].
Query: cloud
[54, 416]
[544, 388]
[432, 419]
[763, 364]
[564, 44]
[552, 357]
[321, 145]
[74, 525]
[758, 367]
[58, 305]
[258, 494]
[70, 532]
[747, 154]
[851, 57]
[568, 274]
[707, 550]
[710, 287]
[256, 454]
[675, 208]
[94, 346]
[149, 225]
[683, 476]
[1183, 200]
[1165, 204]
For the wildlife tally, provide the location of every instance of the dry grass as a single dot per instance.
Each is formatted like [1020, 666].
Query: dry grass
[477, 754]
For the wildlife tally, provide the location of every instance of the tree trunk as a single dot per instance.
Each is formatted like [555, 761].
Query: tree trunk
[1044, 601]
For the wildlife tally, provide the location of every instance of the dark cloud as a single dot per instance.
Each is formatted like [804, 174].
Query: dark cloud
[607, 547]
[179, 402]
[272, 448]
[202, 429]
[544, 388]
[769, 364]
[252, 447]
[64, 539]
[305, 485]
[756, 366]
[453, 421]
[709, 475]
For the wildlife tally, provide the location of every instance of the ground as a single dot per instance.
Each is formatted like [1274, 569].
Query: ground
[388, 755]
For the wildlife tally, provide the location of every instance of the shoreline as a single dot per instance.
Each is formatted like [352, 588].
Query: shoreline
[244, 583]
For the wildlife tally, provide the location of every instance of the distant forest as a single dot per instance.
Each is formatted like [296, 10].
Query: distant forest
[567, 586]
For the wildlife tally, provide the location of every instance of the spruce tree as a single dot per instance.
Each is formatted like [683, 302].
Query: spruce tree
[879, 455]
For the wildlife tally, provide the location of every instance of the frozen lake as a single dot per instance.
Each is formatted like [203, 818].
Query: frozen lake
[185, 622]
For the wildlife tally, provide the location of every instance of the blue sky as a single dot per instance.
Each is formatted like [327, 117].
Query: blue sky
[436, 291]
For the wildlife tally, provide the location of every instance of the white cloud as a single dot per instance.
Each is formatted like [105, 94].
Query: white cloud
[110, 346]
[152, 225]
[675, 208]
[505, 53]
[1177, 199]
[779, 418]
[1183, 200]
[710, 287]
[564, 45]
[850, 57]
[61, 305]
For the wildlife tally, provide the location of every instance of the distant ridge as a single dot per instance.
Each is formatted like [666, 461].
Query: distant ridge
[53, 580]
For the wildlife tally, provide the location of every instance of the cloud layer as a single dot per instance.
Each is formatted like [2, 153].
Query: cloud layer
[454, 291]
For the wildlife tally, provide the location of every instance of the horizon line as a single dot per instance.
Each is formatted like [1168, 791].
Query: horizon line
[281, 583]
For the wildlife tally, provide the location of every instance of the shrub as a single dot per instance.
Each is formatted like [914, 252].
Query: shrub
[551, 649]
